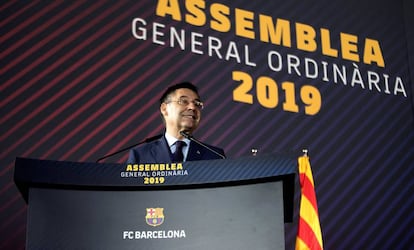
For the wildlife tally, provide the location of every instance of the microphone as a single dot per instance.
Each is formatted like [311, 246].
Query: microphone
[153, 138]
[191, 138]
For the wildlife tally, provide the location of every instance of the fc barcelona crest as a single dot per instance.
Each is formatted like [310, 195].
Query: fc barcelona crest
[155, 216]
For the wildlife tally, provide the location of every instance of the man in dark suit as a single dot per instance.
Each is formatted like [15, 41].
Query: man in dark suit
[180, 107]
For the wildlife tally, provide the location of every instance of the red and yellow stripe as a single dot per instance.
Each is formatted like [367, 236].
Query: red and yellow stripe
[309, 230]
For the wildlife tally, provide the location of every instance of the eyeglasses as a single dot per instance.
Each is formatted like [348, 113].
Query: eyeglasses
[185, 102]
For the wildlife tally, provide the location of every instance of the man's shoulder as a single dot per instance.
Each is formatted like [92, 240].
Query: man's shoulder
[209, 151]
[150, 152]
[150, 145]
[218, 149]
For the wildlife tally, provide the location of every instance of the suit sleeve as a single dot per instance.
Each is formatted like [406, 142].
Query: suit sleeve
[133, 157]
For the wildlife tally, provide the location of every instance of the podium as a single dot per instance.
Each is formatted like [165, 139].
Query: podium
[219, 204]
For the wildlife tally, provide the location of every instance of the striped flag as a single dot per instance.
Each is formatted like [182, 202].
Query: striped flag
[309, 230]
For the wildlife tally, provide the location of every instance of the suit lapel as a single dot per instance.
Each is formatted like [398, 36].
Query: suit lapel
[195, 152]
[161, 151]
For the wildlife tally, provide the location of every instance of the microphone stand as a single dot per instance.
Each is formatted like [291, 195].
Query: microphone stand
[129, 147]
[191, 138]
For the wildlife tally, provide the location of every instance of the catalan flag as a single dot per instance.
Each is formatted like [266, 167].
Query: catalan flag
[309, 230]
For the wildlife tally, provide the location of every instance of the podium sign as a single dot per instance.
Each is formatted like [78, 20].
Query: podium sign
[219, 204]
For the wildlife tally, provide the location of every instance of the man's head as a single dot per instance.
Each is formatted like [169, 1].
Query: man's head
[180, 107]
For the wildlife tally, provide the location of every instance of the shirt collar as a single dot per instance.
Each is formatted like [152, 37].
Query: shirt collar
[171, 140]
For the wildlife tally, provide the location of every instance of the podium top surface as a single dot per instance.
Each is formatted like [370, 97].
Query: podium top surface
[195, 174]
[187, 174]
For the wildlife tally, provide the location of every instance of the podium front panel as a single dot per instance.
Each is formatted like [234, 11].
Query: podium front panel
[233, 217]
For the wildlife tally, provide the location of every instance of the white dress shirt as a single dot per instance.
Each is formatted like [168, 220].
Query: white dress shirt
[171, 143]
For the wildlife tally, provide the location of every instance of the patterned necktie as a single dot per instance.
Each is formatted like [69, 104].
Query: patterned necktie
[178, 155]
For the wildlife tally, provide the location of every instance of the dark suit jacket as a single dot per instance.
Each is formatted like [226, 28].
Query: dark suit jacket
[158, 151]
